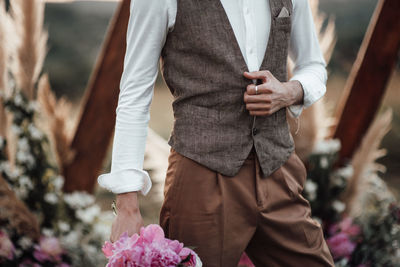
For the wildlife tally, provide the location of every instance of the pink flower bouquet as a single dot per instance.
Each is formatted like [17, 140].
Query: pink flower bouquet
[149, 249]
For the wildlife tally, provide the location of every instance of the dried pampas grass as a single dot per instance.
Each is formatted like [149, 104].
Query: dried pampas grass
[27, 58]
[57, 123]
[365, 167]
[15, 214]
[326, 36]
[3, 67]
[28, 17]
[7, 51]
[315, 124]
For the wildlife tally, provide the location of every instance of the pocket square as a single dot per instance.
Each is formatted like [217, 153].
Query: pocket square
[284, 13]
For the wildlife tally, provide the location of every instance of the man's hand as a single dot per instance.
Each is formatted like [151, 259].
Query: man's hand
[128, 216]
[272, 95]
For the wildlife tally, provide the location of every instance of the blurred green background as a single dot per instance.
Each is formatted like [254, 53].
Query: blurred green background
[77, 30]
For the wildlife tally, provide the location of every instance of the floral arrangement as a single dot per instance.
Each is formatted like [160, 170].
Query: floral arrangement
[24, 253]
[73, 218]
[359, 214]
[40, 224]
[150, 248]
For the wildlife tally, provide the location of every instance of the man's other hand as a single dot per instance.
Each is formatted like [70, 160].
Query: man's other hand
[272, 95]
[128, 217]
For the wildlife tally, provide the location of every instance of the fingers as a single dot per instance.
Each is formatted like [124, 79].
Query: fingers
[263, 75]
[260, 98]
[261, 89]
[258, 106]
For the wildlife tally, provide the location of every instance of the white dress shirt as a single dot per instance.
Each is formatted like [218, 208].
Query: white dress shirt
[149, 23]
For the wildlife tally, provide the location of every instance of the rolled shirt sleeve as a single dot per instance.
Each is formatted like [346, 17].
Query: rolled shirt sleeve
[148, 25]
[304, 50]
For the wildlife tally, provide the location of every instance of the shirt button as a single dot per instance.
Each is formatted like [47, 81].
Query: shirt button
[255, 131]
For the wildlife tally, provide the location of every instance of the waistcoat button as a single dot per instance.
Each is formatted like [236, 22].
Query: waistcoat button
[255, 131]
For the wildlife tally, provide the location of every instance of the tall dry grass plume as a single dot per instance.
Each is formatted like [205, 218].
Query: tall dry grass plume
[7, 51]
[365, 167]
[314, 124]
[28, 17]
[57, 123]
[25, 60]
[3, 67]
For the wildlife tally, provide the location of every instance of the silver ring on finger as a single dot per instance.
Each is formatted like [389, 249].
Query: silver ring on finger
[256, 89]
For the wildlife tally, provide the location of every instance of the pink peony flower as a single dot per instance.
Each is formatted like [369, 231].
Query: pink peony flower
[346, 226]
[341, 246]
[148, 249]
[6, 246]
[49, 249]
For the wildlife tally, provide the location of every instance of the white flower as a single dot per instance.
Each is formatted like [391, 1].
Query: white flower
[88, 215]
[21, 192]
[35, 132]
[346, 172]
[24, 181]
[23, 144]
[13, 173]
[337, 180]
[324, 162]
[23, 154]
[342, 263]
[18, 252]
[33, 105]
[102, 229]
[25, 242]
[5, 166]
[90, 249]
[71, 239]
[25, 157]
[338, 206]
[16, 129]
[58, 182]
[311, 189]
[77, 199]
[18, 100]
[327, 146]
[64, 227]
[48, 232]
[51, 198]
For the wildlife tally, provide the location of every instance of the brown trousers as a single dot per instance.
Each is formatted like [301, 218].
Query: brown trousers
[222, 216]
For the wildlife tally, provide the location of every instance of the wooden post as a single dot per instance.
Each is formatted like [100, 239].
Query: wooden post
[97, 119]
[369, 76]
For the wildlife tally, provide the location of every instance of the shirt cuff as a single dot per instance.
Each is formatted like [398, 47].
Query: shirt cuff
[126, 180]
[313, 88]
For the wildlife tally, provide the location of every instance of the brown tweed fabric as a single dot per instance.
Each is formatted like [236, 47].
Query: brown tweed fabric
[203, 66]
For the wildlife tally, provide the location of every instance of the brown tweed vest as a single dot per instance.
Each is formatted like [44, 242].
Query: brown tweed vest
[202, 64]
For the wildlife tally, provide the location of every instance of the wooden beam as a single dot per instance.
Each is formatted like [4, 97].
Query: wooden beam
[369, 76]
[97, 119]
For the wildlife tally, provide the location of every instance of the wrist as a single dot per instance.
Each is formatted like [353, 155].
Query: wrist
[127, 202]
[295, 92]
